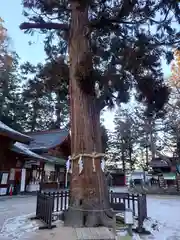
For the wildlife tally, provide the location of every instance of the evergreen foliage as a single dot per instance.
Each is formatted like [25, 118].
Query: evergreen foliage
[127, 40]
[46, 104]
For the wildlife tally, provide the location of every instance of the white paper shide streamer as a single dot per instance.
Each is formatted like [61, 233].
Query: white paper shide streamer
[93, 164]
[68, 164]
[80, 162]
[103, 164]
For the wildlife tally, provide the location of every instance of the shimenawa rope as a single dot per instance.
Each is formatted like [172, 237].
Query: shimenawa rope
[90, 210]
[93, 155]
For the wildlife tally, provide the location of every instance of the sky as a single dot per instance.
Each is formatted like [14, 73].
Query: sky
[11, 13]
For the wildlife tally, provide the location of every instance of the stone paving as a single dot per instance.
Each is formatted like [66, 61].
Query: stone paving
[33, 233]
[16, 206]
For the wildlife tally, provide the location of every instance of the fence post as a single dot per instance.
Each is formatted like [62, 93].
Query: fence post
[111, 196]
[37, 204]
[45, 210]
[145, 206]
[140, 214]
[54, 199]
[69, 197]
[37, 208]
[50, 209]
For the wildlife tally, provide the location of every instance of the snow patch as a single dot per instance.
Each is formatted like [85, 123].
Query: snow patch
[25, 149]
[15, 228]
[123, 234]
[161, 230]
[164, 218]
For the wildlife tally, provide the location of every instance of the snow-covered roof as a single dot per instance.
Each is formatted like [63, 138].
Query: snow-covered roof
[20, 148]
[13, 134]
[45, 140]
[23, 149]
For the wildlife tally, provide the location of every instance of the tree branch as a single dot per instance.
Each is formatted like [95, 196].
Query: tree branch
[44, 25]
[100, 22]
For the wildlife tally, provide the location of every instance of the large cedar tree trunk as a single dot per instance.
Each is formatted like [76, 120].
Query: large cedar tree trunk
[88, 190]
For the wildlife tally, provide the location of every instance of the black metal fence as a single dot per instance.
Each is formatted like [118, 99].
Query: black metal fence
[60, 200]
[53, 203]
[44, 210]
[136, 202]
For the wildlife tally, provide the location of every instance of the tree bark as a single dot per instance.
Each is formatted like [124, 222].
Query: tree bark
[34, 116]
[88, 189]
[123, 156]
[58, 111]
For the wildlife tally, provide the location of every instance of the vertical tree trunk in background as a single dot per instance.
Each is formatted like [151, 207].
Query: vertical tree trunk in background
[34, 116]
[88, 190]
[130, 158]
[58, 110]
[123, 156]
[177, 161]
[147, 156]
[151, 139]
[178, 147]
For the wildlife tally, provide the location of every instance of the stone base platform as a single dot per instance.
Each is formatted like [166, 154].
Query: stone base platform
[69, 233]
[98, 233]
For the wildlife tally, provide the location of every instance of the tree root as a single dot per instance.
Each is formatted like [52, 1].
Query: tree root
[78, 218]
[73, 218]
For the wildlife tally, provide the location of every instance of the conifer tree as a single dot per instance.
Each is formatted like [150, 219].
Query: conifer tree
[10, 96]
[172, 120]
[45, 104]
[111, 47]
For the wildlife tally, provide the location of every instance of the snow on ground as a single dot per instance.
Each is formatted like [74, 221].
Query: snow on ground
[164, 218]
[163, 221]
[11, 207]
[14, 217]
[17, 227]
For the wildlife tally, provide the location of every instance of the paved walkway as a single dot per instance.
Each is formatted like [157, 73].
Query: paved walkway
[69, 233]
[11, 207]
[16, 225]
[64, 233]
